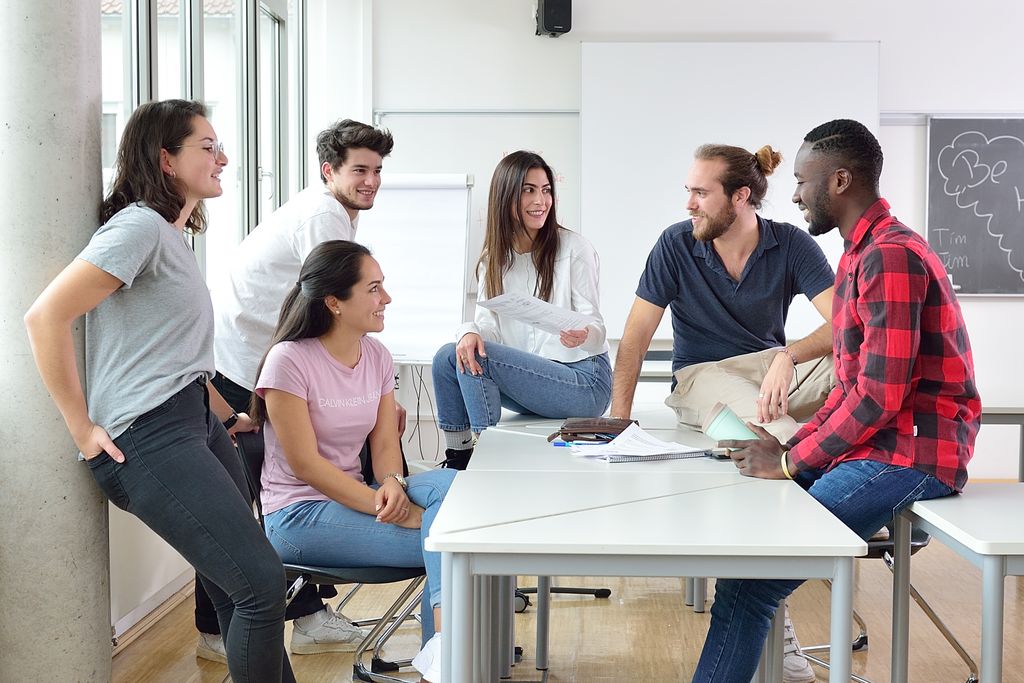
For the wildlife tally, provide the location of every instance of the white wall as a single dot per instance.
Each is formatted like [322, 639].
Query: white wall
[935, 57]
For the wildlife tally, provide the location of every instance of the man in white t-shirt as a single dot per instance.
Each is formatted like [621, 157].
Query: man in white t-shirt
[267, 262]
[246, 305]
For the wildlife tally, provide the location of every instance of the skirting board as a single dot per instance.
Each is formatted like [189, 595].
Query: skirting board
[136, 622]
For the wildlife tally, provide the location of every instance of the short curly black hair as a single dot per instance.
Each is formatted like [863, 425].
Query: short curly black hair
[853, 145]
[333, 144]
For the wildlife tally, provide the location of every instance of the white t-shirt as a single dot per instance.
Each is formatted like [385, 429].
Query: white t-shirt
[577, 274]
[342, 404]
[248, 302]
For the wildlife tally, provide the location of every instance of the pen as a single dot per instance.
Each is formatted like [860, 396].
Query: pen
[565, 444]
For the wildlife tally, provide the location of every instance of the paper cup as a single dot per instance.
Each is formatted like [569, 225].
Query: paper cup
[723, 424]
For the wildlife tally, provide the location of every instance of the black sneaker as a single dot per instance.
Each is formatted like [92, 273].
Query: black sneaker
[456, 460]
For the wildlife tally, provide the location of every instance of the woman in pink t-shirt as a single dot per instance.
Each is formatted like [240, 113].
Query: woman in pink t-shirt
[324, 389]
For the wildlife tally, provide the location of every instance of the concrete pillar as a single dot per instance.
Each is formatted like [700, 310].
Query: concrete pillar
[54, 557]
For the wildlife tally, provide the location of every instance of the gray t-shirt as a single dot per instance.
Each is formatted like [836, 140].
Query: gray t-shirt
[152, 337]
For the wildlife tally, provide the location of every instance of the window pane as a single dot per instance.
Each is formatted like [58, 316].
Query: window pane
[269, 155]
[114, 41]
[296, 112]
[169, 59]
[221, 54]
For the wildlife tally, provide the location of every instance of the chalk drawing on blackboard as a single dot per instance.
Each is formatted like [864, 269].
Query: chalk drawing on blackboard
[977, 174]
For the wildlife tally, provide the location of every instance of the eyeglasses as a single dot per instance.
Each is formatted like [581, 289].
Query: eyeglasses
[216, 148]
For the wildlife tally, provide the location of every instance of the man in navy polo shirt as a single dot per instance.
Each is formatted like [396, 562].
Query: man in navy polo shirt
[729, 276]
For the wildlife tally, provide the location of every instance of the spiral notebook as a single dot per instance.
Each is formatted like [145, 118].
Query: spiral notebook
[636, 445]
[650, 457]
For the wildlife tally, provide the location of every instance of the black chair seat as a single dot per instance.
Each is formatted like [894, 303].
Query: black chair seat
[918, 539]
[342, 575]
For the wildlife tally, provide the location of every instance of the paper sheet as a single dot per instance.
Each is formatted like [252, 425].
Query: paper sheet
[536, 312]
[634, 441]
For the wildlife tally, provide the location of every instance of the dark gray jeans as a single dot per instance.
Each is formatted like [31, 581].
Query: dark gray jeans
[182, 477]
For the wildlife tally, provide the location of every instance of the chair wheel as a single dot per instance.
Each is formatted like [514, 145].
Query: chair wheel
[602, 593]
[521, 602]
[861, 643]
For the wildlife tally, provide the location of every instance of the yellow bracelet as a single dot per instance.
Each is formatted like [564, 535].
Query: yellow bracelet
[785, 470]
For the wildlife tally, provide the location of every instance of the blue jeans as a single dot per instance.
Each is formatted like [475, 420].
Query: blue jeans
[520, 381]
[182, 477]
[865, 495]
[326, 533]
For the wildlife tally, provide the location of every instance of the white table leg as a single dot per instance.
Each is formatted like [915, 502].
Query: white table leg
[900, 599]
[700, 593]
[992, 573]
[446, 612]
[773, 646]
[480, 635]
[543, 620]
[842, 610]
[459, 626]
[494, 640]
[506, 589]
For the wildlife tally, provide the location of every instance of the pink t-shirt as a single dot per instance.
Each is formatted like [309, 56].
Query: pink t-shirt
[342, 405]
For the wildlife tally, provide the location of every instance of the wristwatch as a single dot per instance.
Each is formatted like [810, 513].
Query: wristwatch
[398, 477]
[230, 422]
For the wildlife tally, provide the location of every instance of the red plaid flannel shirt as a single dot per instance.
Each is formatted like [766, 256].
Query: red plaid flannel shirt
[905, 392]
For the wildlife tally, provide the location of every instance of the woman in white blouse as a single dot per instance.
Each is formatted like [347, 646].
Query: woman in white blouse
[502, 362]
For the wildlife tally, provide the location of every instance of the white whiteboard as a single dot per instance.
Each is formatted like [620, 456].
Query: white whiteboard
[647, 106]
[417, 232]
[474, 142]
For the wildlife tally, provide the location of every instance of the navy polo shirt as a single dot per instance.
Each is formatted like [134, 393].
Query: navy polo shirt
[713, 315]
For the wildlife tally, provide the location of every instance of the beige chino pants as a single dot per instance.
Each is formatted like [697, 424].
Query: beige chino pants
[736, 382]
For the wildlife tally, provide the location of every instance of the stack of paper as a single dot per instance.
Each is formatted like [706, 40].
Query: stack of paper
[636, 445]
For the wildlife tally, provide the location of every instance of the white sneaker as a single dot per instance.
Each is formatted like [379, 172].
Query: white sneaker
[211, 647]
[795, 667]
[325, 631]
[428, 661]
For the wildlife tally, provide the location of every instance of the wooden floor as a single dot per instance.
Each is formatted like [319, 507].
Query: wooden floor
[643, 632]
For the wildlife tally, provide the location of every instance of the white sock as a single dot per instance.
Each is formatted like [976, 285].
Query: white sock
[458, 441]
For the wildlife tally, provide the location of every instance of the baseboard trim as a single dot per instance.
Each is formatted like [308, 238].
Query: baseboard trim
[131, 633]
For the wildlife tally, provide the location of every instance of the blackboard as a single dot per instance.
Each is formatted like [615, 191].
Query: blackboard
[975, 219]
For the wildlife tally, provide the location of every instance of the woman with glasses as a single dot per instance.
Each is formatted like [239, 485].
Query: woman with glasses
[499, 361]
[149, 425]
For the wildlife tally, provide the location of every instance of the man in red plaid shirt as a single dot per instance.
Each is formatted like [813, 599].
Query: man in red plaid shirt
[901, 422]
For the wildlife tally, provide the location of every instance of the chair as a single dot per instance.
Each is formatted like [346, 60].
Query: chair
[251, 452]
[883, 549]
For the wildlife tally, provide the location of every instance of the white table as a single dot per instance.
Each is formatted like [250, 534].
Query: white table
[1007, 415]
[984, 525]
[521, 444]
[500, 523]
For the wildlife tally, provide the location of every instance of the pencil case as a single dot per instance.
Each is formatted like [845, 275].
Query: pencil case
[591, 428]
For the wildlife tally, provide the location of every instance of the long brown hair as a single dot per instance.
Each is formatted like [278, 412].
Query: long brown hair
[332, 268]
[138, 176]
[505, 221]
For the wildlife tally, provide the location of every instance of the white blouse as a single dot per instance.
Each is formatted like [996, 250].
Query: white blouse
[575, 287]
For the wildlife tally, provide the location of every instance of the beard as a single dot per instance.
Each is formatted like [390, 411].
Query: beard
[715, 226]
[821, 227]
[821, 219]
